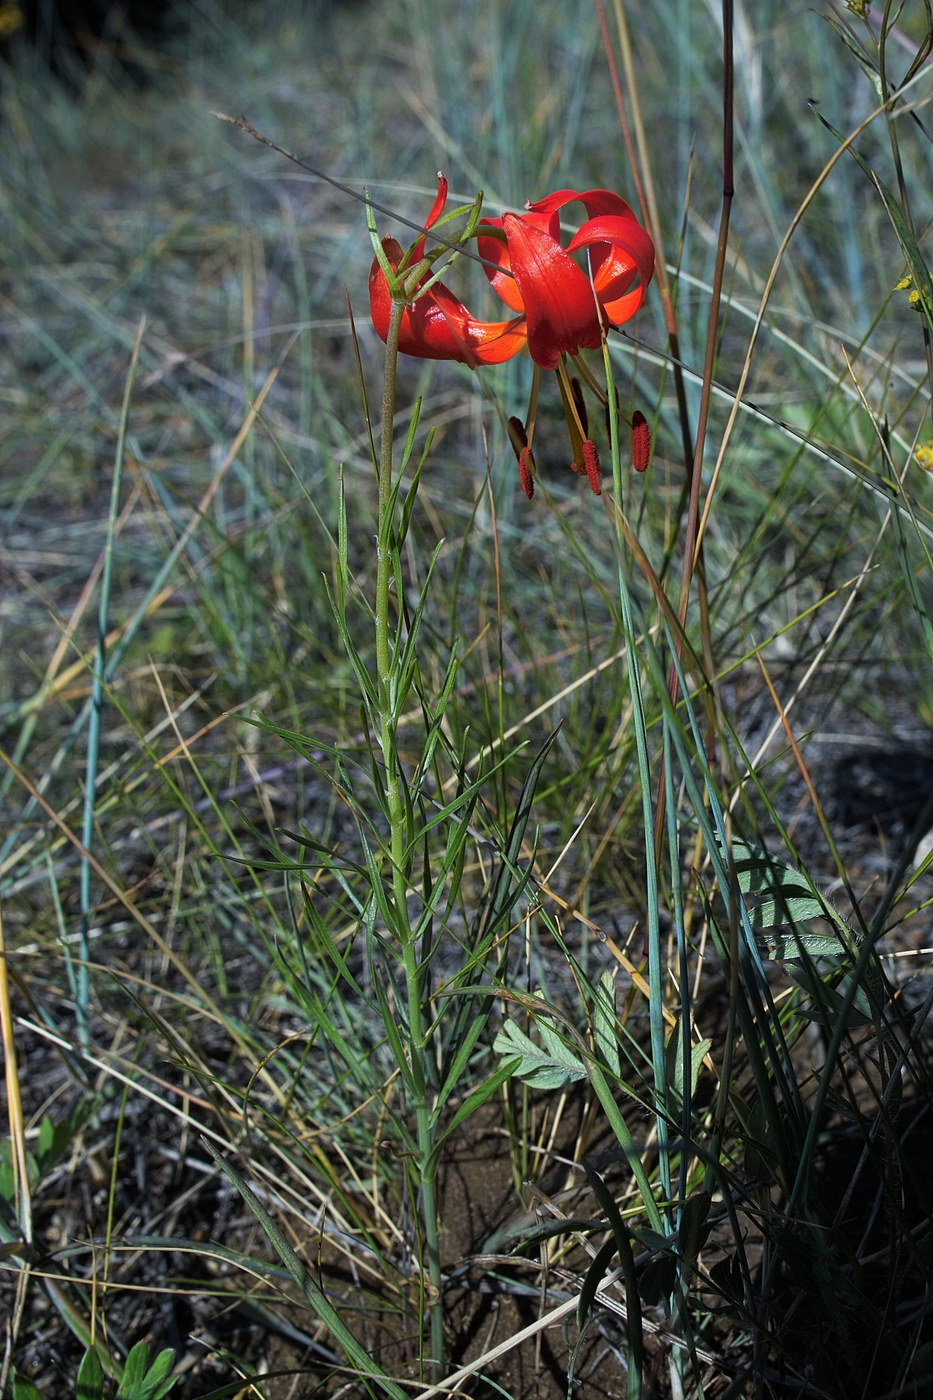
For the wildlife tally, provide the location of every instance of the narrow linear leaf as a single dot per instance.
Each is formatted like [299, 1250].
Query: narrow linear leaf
[370, 1374]
[605, 1030]
[623, 1246]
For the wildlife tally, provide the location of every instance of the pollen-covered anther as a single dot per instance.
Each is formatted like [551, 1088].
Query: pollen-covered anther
[526, 458]
[641, 442]
[592, 468]
[526, 471]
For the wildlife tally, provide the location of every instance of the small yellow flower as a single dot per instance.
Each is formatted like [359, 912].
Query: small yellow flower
[906, 284]
[923, 455]
[859, 7]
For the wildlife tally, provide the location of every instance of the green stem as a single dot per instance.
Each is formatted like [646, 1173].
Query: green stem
[391, 698]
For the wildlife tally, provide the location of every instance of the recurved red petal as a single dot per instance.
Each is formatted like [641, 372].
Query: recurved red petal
[440, 199]
[435, 212]
[496, 250]
[621, 254]
[560, 309]
[437, 326]
[594, 201]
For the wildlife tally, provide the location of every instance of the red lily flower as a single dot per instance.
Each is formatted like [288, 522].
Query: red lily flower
[561, 309]
[435, 325]
[564, 310]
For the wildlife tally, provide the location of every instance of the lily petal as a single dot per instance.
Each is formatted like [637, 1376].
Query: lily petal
[594, 201]
[437, 326]
[621, 251]
[497, 250]
[560, 309]
[436, 210]
[628, 250]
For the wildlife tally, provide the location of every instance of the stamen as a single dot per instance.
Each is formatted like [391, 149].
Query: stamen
[575, 429]
[571, 400]
[641, 441]
[580, 405]
[526, 459]
[590, 380]
[526, 471]
[517, 435]
[591, 467]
